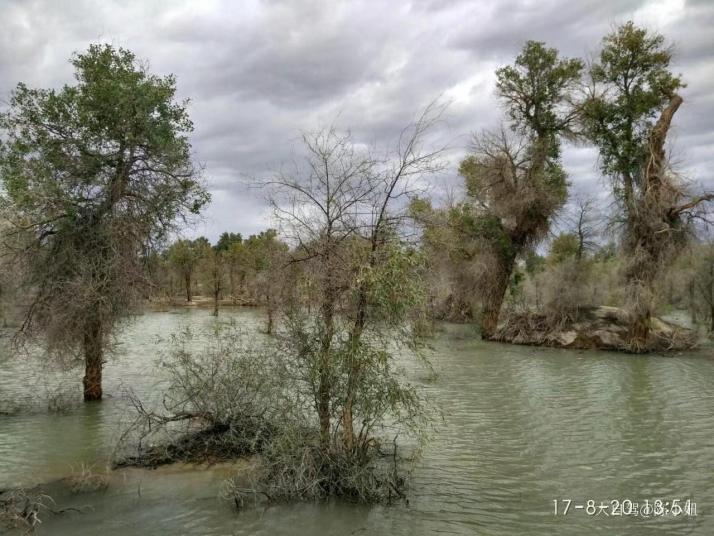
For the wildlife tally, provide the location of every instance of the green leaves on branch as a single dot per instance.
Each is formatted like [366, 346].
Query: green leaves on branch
[632, 84]
[395, 288]
[95, 174]
[537, 92]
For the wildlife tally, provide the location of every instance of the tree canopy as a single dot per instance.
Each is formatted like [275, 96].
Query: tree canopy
[94, 174]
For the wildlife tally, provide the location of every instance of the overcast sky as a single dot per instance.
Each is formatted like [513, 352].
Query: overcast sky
[259, 72]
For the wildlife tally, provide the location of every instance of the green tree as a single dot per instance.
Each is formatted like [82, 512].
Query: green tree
[93, 173]
[213, 260]
[538, 93]
[636, 85]
[236, 258]
[564, 246]
[185, 257]
[226, 240]
[230, 247]
[628, 116]
[267, 257]
[515, 183]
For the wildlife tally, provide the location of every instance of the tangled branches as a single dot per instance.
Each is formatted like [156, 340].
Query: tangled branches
[219, 405]
[21, 509]
[228, 400]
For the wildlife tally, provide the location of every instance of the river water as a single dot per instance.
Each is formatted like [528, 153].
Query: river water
[521, 427]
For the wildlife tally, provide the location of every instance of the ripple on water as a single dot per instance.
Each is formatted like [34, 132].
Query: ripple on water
[522, 426]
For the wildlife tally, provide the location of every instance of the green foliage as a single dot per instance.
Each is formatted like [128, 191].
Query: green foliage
[94, 174]
[535, 88]
[185, 254]
[225, 397]
[261, 248]
[395, 288]
[534, 263]
[420, 208]
[227, 240]
[606, 253]
[483, 227]
[70, 145]
[633, 70]
[564, 246]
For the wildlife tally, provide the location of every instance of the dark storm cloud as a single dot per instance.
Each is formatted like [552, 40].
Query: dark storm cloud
[258, 73]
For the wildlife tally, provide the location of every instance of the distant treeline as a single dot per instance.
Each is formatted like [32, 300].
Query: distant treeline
[98, 175]
[235, 269]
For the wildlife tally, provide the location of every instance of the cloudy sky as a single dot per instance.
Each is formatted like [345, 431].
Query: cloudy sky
[260, 72]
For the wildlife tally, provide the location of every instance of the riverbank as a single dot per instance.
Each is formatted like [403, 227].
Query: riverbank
[594, 328]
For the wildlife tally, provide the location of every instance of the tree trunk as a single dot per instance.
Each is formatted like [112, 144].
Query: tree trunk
[494, 300]
[93, 354]
[348, 436]
[232, 283]
[187, 280]
[639, 333]
[241, 285]
[269, 310]
[324, 387]
[354, 367]
[647, 251]
[216, 294]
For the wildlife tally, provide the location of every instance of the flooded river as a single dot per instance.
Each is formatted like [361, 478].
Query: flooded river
[521, 427]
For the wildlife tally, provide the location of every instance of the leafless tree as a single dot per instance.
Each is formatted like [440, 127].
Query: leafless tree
[583, 220]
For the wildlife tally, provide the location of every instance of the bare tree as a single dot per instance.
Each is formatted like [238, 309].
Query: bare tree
[583, 221]
[342, 213]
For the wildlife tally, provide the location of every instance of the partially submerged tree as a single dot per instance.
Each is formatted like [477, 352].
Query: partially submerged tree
[628, 117]
[93, 173]
[214, 268]
[231, 247]
[340, 211]
[515, 181]
[328, 382]
[185, 257]
[268, 258]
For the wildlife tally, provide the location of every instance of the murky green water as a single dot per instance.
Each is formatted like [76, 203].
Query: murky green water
[522, 426]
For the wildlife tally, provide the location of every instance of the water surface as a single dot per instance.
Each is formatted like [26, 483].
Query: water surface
[521, 426]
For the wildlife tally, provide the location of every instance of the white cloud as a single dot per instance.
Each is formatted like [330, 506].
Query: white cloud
[258, 72]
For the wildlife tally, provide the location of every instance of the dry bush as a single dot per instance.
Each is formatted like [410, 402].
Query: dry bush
[295, 466]
[86, 480]
[222, 399]
[20, 509]
[227, 400]
[566, 289]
